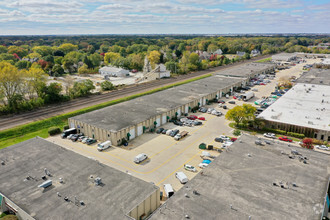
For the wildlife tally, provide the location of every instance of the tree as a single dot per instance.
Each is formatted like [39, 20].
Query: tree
[82, 88]
[111, 57]
[88, 62]
[3, 49]
[194, 58]
[107, 85]
[59, 53]
[52, 93]
[21, 52]
[35, 81]
[66, 48]
[154, 57]
[241, 114]
[95, 59]
[23, 64]
[83, 69]
[308, 143]
[10, 81]
[57, 70]
[43, 50]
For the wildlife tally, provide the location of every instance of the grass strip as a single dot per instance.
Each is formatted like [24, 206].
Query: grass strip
[40, 128]
[264, 60]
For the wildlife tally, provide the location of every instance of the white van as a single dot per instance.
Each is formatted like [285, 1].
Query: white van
[182, 177]
[168, 190]
[104, 145]
[139, 158]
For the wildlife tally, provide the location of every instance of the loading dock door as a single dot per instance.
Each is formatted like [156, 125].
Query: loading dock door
[186, 109]
[139, 130]
[164, 119]
[179, 112]
[204, 101]
[158, 122]
[132, 133]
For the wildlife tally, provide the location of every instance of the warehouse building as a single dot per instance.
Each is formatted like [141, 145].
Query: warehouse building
[315, 76]
[305, 109]
[250, 181]
[284, 57]
[250, 70]
[132, 118]
[78, 187]
[110, 71]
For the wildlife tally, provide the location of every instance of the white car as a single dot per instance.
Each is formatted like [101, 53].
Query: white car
[168, 132]
[322, 147]
[190, 168]
[84, 140]
[269, 135]
[210, 110]
[227, 143]
[69, 136]
[225, 138]
[203, 165]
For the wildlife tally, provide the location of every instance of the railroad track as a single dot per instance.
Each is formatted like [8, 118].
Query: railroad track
[60, 108]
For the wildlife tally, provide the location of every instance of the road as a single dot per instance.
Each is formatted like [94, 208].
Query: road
[7, 122]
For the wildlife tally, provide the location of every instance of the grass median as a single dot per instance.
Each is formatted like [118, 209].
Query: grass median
[264, 60]
[40, 128]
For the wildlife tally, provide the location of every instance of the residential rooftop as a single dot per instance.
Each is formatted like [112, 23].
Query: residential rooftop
[132, 112]
[316, 76]
[239, 184]
[115, 197]
[305, 105]
[247, 70]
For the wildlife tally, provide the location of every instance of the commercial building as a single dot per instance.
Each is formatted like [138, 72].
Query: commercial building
[305, 108]
[75, 192]
[325, 64]
[109, 71]
[250, 181]
[284, 57]
[132, 118]
[315, 76]
[250, 70]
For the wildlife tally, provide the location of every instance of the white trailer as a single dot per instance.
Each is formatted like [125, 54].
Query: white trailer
[247, 96]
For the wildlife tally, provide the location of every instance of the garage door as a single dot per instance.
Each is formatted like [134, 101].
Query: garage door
[201, 102]
[164, 119]
[204, 101]
[158, 122]
[132, 133]
[139, 130]
[186, 109]
[71, 125]
[179, 112]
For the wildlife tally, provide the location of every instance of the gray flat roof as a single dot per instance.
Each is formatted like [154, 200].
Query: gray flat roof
[283, 56]
[298, 107]
[246, 183]
[246, 69]
[119, 194]
[316, 76]
[132, 112]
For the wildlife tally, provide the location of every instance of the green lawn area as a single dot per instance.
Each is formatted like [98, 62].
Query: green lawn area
[40, 128]
[264, 60]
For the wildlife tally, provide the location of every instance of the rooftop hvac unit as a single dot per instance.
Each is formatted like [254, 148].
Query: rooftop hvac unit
[45, 184]
[98, 181]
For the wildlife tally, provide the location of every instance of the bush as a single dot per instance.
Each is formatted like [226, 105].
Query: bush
[278, 131]
[10, 217]
[66, 127]
[107, 85]
[297, 135]
[54, 130]
[237, 132]
[318, 142]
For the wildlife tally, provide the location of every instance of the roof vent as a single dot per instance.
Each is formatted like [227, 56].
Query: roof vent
[98, 181]
[3, 162]
[46, 184]
[187, 216]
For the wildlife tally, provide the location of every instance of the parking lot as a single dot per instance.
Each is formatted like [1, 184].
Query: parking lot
[166, 155]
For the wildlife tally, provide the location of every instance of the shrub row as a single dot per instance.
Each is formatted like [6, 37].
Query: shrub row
[297, 135]
[61, 120]
[54, 130]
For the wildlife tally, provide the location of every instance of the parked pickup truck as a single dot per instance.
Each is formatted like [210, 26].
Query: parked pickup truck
[181, 135]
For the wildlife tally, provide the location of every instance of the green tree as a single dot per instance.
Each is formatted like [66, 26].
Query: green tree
[52, 93]
[88, 62]
[194, 58]
[67, 47]
[3, 49]
[154, 57]
[107, 85]
[43, 50]
[57, 70]
[83, 69]
[241, 114]
[23, 64]
[111, 57]
[95, 59]
[21, 52]
[82, 88]
[35, 81]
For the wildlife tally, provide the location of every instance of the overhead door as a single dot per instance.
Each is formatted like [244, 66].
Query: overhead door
[204, 101]
[179, 112]
[139, 130]
[132, 133]
[200, 102]
[164, 119]
[158, 122]
[186, 109]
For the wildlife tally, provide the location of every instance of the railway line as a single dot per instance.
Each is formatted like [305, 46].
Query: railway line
[65, 107]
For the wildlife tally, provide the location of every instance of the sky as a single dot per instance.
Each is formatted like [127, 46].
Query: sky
[45, 17]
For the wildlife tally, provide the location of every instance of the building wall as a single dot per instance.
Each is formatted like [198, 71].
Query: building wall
[8, 205]
[145, 208]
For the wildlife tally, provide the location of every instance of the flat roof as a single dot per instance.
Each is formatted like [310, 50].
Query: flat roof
[283, 56]
[305, 105]
[132, 112]
[246, 70]
[119, 193]
[316, 76]
[236, 185]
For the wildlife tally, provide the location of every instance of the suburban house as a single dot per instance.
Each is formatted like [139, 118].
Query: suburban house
[240, 53]
[255, 52]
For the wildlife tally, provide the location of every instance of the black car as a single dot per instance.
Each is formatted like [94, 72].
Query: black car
[178, 123]
[90, 141]
[75, 137]
[174, 132]
[232, 102]
[224, 107]
[198, 123]
[202, 109]
[164, 131]
[218, 140]
[159, 130]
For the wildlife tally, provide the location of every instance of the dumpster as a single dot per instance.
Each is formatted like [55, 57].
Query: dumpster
[202, 146]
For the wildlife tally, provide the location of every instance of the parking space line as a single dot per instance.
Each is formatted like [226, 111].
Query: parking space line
[190, 159]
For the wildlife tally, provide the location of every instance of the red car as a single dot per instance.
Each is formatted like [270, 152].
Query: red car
[234, 97]
[262, 84]
[221, 101]
[284, 138]
[201, 118]
[192, 117]
[233, 139]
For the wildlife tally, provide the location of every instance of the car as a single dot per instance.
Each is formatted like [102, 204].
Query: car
[218, 140]
[203, 165]
[69, 136]
[159, 130]
[270, 135]
[201, 118]
[196, 123]
[224, 107]
[192, 117]
[181, 177]
[90, 141]
[202, 109]
[285, 138]
[84, 140]
[75, 137]
[221, 101]
[164, 131]
[174, 132]
[81, 138]
[322, 147]
[232, 102]
[190, 168]
[168, 132]
[207, 161]
[263, 84]
[227, 143]
[178, 123]
[233, 139]
[210, 110]
[255, 90]
[225, 138]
